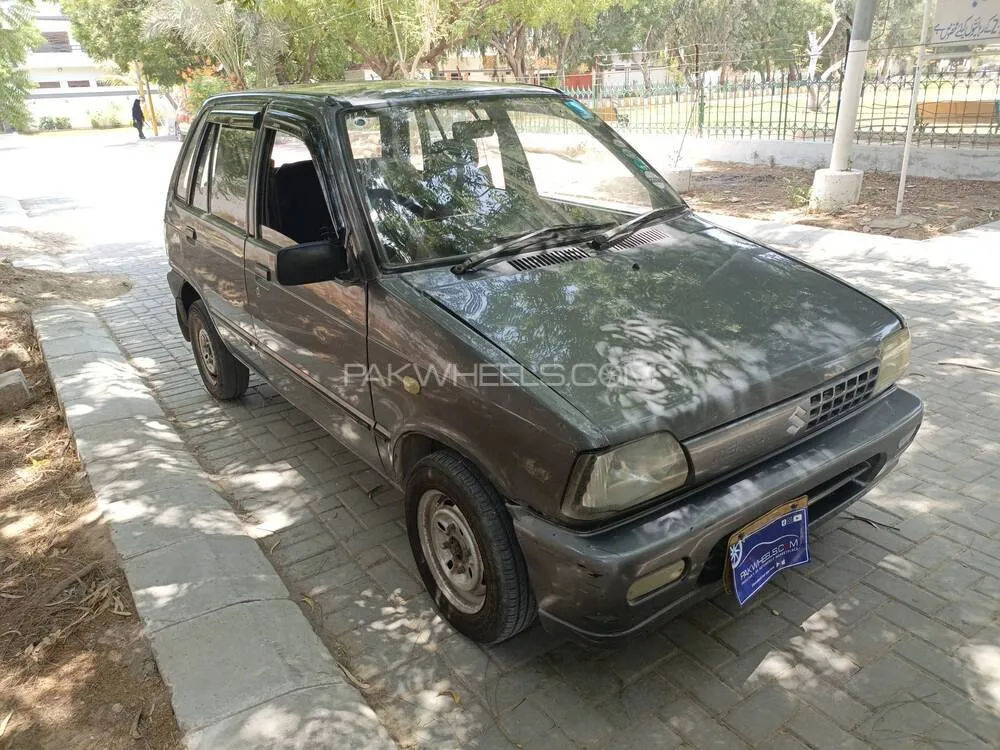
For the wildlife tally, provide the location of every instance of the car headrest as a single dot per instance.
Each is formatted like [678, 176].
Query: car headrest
[466, 131]
[453, 151]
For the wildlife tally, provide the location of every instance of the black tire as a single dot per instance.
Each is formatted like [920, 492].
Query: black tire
[230, 377]
[509, 605]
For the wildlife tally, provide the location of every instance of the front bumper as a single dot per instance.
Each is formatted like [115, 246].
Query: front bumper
[581, 578]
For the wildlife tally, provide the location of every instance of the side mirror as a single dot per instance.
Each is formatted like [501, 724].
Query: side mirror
[310, 262]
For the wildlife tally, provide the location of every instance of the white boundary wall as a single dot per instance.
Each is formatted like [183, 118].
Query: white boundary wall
[925, 161]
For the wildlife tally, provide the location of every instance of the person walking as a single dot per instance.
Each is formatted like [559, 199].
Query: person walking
[138, 120]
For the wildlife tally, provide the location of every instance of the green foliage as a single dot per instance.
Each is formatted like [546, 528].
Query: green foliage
[17, 36]
[54, 123]
[397, 38]
[798, 194]
[260, 42]
[115, 30]
[200, 86]
[247, 41]
[109, 117]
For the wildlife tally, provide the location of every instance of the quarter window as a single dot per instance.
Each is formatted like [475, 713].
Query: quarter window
[231, 175]
[199, 198]
[183, 187]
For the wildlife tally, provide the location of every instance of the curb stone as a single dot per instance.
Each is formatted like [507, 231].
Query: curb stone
[949, 251]
[11, 207]
[244, 666]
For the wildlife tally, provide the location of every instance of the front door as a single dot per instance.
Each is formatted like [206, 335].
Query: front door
[312, 337]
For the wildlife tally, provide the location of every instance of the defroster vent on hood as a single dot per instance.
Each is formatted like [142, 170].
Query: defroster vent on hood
[547, 258]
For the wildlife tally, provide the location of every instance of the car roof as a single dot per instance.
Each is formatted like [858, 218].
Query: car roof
[369, 93]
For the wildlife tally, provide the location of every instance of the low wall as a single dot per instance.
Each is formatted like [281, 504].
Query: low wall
[925, 161]
[80, 104]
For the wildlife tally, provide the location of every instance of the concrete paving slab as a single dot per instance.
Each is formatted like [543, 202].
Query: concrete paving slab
[230, 643]
[143, 521]
[182, 581]
[108, 405]
[80, 340]
[974, 252]
[122, 437]
[83, 369]
[142, 470]
[321, 717]
[219, 665]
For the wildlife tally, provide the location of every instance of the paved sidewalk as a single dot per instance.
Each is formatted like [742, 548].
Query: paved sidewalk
[232, 647]
[889, 639]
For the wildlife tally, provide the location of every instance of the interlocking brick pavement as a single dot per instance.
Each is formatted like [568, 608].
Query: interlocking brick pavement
[890, 639]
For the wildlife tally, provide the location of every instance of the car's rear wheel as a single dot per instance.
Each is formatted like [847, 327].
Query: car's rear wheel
[224, 376]
[465, 549]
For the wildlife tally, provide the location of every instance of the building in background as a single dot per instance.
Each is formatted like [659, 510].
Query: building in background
[69, 84]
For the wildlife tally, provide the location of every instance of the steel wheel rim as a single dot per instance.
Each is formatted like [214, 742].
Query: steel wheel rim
[206, 352]
[451, 551]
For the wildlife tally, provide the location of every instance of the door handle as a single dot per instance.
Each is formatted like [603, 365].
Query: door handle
[190, 233]
[261, 271]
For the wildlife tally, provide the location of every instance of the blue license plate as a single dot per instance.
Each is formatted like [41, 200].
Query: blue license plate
[768, 545]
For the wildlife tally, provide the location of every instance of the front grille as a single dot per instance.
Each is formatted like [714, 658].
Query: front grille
[548, 258]
[840, 396]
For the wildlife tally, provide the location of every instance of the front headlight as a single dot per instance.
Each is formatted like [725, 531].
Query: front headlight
[606, 483]
[894, 358]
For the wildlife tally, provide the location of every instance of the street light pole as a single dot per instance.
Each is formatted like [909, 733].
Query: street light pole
[839, 186]
[904, 167]
[854, 78]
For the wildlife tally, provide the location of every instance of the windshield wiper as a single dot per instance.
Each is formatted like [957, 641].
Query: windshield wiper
[633, 225]
[508, 246]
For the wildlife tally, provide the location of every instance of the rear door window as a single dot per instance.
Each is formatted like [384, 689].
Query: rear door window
[230, 182]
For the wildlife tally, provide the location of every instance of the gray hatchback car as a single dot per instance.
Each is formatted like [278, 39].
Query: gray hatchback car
[600, 407]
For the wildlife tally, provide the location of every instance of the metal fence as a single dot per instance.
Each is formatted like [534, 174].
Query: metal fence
[952, 109]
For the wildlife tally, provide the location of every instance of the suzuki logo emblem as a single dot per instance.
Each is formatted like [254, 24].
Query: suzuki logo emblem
[797, 421]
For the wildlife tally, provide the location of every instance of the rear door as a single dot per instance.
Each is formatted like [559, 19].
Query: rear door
[214, 223]
[312, 337]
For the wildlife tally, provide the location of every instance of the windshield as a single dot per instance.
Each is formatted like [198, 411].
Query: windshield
[447, 178]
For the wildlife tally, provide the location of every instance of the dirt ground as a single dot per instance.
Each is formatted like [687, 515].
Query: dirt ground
[931, 206]
[75, 670]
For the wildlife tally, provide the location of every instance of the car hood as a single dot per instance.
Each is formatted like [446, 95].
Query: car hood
[688, 328]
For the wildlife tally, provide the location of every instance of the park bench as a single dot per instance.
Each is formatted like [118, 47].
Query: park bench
[948, 112]
[608, 111]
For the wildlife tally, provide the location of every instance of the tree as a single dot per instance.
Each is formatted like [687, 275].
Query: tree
[245, 40]
[397, 38]
[315, 48]
[520, 30]
[115, 30]
[18, 36]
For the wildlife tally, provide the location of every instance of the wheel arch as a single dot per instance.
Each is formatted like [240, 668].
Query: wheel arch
[185, 297]
[413, 445]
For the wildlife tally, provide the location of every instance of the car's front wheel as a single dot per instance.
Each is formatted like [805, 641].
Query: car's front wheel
[465, 549]
[224, 376]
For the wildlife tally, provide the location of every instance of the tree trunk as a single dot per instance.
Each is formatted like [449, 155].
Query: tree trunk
[511, 45]
[814, 50]
[307, 69]
[561, 61]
